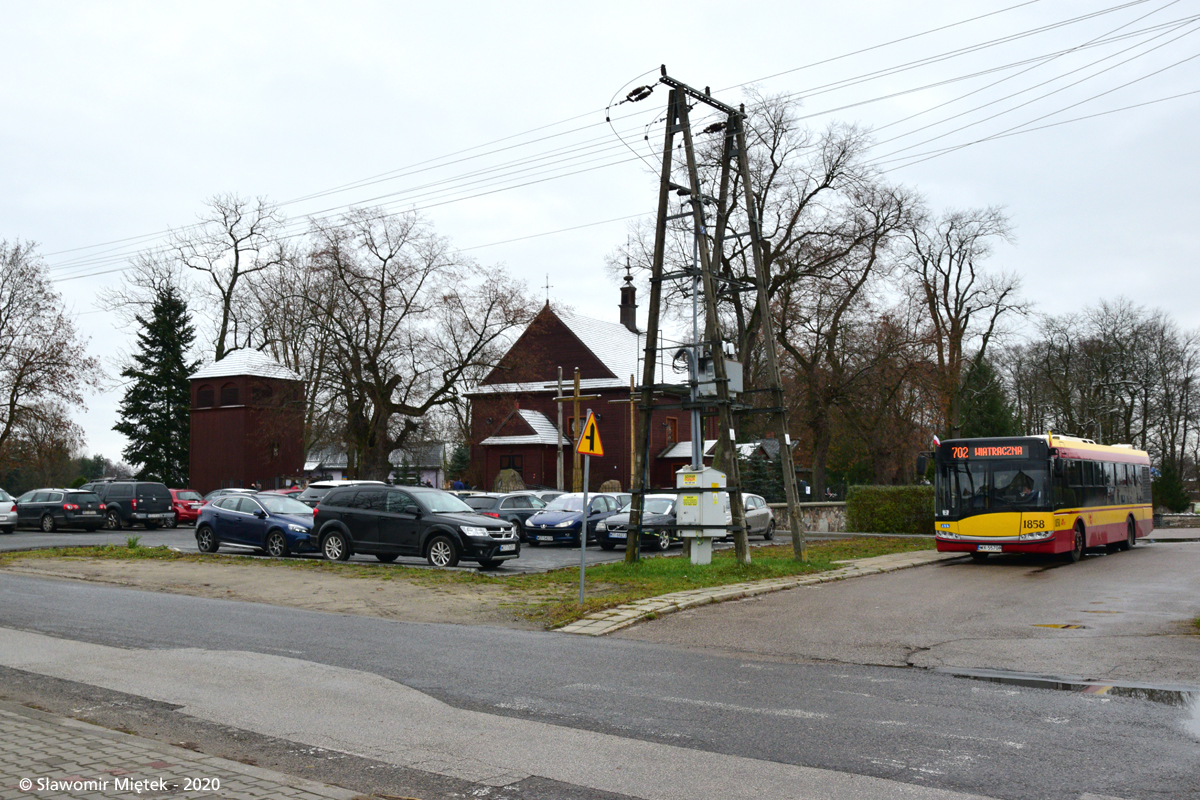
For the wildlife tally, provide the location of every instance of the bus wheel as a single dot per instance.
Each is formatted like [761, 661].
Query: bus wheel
[980, 557]
[1131, 537]
[1080, 544]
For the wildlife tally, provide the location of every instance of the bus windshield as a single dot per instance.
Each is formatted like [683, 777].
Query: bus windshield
[964, 488]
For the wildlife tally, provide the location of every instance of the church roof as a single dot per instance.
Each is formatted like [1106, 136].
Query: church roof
[254, 363]
[544, 431]
[619, 349]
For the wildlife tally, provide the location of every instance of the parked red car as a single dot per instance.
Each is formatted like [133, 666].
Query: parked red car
[186, 504]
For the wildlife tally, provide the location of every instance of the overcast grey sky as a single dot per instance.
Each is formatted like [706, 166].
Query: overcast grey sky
[119, 119]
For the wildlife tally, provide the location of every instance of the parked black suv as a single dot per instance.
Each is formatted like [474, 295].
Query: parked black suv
[390, 521]
[51, 509]
[129, 502]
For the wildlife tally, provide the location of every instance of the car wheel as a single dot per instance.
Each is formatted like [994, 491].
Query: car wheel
[8, 530]
[607, 545]
[1076, 552]
[442, 552]
[206, 539]
[277, 546]
[112, 521]
[663, 541]
[174, 522]
[490, 563]
[48, 524]
[386, 558]
[770, 532]
[335, 547]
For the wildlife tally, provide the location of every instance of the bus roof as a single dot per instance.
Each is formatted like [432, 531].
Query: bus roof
[1070, 447]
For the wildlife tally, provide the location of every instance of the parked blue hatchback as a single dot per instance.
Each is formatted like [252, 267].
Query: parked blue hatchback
[271, 522]
[560, 520]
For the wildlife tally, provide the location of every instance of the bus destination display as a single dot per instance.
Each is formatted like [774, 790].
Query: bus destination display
[966, 452]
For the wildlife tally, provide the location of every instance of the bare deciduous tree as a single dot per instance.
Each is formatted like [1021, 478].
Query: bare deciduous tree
[236, 238]
[42, 358]
[406, 321]
[965, 303]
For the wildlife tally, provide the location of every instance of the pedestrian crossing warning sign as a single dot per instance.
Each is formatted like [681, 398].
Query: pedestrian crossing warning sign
[589, 442]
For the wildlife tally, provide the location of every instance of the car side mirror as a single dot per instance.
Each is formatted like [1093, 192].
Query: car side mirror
[412, 509]
[260, 514]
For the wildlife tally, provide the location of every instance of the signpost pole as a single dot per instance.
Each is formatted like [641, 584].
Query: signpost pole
[588, 445]
[587, 463]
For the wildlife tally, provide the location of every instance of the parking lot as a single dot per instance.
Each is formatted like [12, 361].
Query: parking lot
[533, 559]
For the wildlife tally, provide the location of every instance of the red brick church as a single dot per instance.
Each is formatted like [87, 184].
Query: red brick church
[514, 417]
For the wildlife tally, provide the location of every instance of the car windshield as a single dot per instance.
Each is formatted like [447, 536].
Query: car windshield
[83, 497]
[316, 492]
[566, 502]
[189, 496]
[659, 505]
[278, 504]
[442, 503]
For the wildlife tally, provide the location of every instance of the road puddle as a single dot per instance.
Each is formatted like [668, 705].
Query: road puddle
[1184, 697]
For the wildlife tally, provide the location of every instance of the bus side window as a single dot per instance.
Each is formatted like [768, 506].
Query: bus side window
[1110, 483]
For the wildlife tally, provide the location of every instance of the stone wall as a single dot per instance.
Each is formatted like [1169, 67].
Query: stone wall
[1169, 520]
[816, 517]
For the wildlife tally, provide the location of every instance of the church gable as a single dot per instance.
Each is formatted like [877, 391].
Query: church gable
[546, 345]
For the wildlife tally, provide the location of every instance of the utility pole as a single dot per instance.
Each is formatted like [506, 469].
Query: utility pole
[734, 152]
[559, 485]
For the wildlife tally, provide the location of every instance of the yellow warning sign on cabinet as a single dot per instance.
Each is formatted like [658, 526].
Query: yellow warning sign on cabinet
[589, 442]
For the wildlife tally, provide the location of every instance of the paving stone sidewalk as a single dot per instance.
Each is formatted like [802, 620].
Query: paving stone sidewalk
[47, 756]
[614, 619]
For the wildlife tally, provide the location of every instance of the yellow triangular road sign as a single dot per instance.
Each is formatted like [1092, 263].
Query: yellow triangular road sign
[589, 441]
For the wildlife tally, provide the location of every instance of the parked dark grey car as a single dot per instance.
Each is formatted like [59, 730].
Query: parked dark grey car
[51, 509]
[390, 521]
[516, 507]
[129, 502]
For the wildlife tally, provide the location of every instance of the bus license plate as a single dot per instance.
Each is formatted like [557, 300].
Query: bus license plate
[989, 548]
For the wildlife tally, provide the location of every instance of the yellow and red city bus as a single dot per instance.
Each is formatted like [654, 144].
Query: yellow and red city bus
[1034, 494]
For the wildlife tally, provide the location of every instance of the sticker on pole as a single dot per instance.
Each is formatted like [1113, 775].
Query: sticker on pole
[589, 442]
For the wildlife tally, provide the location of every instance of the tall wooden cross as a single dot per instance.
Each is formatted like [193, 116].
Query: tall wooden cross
[576, 398]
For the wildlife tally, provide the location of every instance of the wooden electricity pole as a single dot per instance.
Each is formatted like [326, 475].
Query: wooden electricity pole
[734, 157]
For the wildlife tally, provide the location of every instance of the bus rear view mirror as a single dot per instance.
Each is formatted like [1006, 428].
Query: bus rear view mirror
[921, 464]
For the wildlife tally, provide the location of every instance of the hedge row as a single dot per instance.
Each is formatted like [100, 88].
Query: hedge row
[890, 509]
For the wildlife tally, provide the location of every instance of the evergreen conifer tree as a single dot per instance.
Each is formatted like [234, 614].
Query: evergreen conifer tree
[156, 407]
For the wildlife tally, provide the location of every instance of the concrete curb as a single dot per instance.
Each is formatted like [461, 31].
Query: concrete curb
[614, 619]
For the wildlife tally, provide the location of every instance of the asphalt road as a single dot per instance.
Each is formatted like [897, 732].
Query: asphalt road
[609, 717]
[1132, 613]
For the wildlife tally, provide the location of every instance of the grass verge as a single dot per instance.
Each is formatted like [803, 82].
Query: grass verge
[551, 598]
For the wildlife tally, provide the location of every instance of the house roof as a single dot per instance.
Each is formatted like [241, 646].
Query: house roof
[684, 449]
[745, 449]
[254, 363]
[544, 432]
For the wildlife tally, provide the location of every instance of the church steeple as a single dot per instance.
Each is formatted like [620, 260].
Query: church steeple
[629, 302]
